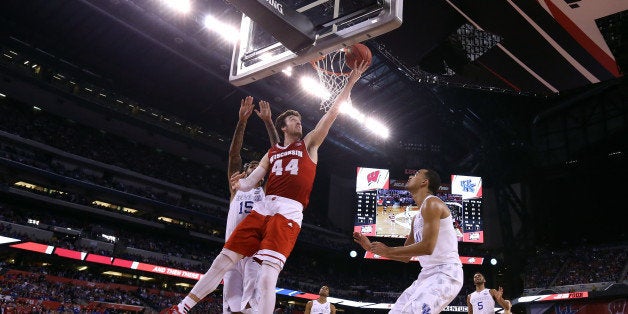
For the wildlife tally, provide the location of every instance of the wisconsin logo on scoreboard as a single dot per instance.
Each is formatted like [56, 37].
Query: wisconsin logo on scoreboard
[372, 179]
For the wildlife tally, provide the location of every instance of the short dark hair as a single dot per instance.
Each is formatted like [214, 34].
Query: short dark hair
[280, 122]
[246, 166]
[434, 179]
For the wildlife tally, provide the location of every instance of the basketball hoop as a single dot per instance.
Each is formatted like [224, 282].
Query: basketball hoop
[333, 73]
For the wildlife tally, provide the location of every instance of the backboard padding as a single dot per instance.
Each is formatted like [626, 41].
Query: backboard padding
[338, 24]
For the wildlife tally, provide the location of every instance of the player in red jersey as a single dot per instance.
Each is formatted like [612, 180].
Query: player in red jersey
[270, 231]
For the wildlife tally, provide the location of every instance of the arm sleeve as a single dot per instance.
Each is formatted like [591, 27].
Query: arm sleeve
[253, 179]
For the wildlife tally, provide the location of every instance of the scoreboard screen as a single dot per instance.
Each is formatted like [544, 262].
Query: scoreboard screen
[390, 212]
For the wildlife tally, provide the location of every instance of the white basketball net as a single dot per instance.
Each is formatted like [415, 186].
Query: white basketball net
[333, 74]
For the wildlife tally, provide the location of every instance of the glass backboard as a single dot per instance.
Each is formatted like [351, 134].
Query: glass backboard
[337, 24]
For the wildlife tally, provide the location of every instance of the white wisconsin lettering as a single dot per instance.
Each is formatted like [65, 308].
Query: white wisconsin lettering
[293, 152]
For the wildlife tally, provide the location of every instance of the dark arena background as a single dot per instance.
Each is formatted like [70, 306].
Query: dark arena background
[116, 118]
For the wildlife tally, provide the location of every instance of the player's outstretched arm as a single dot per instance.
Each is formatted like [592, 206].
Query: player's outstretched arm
[366, 244]
[508, 307]
[235, 160]
[431, 225]
[498, 295]
[362, 240]
[240, 181]
[332, 309]
[409, 241]
[266, 116]
[316, 137]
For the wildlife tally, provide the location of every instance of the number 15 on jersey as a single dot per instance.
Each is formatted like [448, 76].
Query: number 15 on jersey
[245, 207]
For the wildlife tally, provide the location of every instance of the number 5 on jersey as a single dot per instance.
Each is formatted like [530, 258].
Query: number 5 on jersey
[292, 167]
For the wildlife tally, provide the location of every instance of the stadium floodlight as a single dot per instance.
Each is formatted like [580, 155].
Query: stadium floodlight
[226, 31]
[287, 71]
[377, 127]
[2, 95]
[353, 253]
[314, 87]
[182, 6]
[493, 261]
[348, 109]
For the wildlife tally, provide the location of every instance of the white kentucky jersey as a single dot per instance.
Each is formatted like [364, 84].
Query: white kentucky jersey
[320, 308]
[240, 206]
[482, 302]
[446, 249]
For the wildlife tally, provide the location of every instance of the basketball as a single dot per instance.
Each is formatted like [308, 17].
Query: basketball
[357, 53]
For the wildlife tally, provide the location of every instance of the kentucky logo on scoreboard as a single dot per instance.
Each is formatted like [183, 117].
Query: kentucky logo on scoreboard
[468, 187]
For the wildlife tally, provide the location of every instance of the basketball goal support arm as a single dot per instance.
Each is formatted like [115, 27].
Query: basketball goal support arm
[293, 29]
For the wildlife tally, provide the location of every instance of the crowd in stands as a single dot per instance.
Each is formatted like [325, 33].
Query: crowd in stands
[213, 226]
[197, 255]
[580, 265]
[375, 281]
[601, 265]
[307, 270]
[17, 118]
[46, 161]
[45, 290]
[110, 149]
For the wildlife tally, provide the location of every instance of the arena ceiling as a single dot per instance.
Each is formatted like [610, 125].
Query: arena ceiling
[460, 78]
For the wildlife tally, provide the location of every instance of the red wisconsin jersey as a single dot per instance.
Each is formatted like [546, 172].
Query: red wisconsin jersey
[292, 172]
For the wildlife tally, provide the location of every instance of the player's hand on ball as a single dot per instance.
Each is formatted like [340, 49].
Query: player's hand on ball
[234, 181]
[358, 70]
